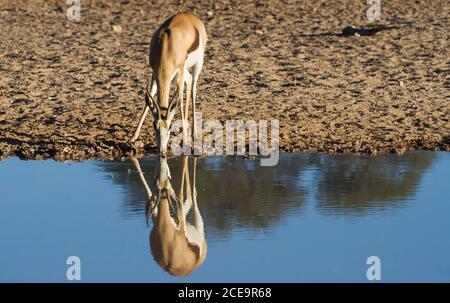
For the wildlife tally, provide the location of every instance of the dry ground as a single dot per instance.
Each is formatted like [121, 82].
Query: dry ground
[73, 90]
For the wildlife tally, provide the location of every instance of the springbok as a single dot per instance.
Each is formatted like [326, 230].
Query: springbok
[177, 246]
[176, 51]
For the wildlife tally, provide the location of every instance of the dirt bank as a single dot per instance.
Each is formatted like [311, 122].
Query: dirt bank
[73, 90]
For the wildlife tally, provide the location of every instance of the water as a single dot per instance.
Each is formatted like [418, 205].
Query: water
[311, 218]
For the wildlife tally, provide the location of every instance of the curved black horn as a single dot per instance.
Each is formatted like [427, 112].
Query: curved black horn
[174, 105]
[151, 102]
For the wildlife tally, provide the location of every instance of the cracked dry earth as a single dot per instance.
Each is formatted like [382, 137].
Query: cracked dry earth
[74, 90]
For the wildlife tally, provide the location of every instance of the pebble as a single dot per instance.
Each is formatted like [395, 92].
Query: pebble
[117, 29]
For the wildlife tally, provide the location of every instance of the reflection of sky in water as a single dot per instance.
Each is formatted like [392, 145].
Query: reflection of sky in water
[311, 218]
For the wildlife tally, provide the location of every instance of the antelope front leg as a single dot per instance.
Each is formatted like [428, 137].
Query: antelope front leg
[180, 89]
[194, 123]
[139, 126]
[197, 219]
[141, 176]
[186, 202]
[188, 82]
[195, 73]
[143, 115]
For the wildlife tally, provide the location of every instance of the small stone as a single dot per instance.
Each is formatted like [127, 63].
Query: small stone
[117, 29]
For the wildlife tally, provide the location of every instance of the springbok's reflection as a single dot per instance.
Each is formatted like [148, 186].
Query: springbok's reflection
[177, 246]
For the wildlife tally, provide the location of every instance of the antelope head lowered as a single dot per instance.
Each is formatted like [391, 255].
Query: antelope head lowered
[176, 52]
[178, 246]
